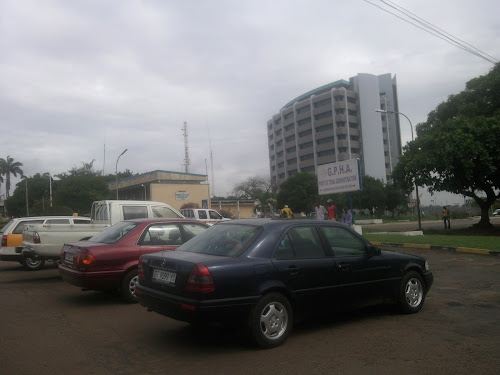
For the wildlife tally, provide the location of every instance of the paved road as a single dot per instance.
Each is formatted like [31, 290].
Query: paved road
[434, 224]
[50, 327]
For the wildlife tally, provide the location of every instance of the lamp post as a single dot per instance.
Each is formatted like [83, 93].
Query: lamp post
[116, 171]
[416, 186]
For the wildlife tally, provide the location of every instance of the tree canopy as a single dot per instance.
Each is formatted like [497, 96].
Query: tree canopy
[456, 149]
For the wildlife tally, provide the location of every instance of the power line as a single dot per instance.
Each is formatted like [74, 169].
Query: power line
[433, 30]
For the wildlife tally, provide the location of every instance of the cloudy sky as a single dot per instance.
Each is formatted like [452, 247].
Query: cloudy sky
[83, 76]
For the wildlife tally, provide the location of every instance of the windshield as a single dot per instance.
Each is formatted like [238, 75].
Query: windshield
[162, 211]
[225, 240]
[114, 233]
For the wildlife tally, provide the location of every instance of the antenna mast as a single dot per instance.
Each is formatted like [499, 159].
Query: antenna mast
[211, 164]
[186, 148]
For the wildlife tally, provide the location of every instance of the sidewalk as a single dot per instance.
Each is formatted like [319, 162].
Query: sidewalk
[469, 250]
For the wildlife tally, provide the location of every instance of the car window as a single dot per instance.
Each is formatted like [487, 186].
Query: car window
[224, 240]
[81, 221]
[162, 211]
[193, 229]
[214, 215]
[134, 212]
[202, 214]
[57, 221]
[114, 233]
[6, 226]
[300, 242]
[161, 234]
[20, 226]
[343, 242]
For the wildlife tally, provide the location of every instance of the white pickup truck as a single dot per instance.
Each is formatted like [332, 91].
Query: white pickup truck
[45, 241]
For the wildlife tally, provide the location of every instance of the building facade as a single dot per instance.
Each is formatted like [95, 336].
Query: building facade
[337, 122]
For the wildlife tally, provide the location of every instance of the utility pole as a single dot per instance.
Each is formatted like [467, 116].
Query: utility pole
[186, 148]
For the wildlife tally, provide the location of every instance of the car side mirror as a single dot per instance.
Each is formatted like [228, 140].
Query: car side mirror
[374, 251]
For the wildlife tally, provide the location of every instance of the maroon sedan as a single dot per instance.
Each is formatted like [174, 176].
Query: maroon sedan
[108, 261]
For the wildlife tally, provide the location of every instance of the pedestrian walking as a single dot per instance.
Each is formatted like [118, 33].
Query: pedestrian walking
[347, 217]
[331, 210]
[286, 212]
[321, 211]
[446, 217]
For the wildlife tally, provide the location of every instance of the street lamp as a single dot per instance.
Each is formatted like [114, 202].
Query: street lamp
[116, 171]
[416, 187]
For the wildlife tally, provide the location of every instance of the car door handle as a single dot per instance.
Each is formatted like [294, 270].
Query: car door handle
[343, 267]
[293, 270]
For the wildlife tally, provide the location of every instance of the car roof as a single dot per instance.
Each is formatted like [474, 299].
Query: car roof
[280, 223]
[150, 220]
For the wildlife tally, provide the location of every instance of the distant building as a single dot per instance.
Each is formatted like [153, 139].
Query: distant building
[337, 122]
[176, 189]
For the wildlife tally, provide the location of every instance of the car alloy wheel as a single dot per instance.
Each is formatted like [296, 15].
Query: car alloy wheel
[412, 292]
[129, 283]
[271, 320]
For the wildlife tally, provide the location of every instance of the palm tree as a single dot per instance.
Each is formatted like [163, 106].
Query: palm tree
[7, 167]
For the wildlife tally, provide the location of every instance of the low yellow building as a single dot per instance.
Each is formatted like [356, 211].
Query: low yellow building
[177, 189]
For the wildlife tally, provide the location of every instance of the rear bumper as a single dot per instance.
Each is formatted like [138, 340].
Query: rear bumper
[192, 310]
[103, 280]
[9, 254]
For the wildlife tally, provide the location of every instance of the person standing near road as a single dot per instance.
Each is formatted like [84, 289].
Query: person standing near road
[347, 217]
[331, 210]
[286, 212]
[321, 211]
[446, 217]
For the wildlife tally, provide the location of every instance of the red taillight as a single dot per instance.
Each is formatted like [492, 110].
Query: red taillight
[4, 240]
[200, 280]
[36, 237]
[85, 259]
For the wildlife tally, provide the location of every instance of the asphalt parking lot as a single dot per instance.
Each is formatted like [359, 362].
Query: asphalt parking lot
[49, 327]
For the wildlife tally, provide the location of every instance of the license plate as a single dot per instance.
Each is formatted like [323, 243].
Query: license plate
[164, 276]
[69, 257]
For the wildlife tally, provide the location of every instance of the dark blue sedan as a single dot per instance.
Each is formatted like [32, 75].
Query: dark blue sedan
[263, 273]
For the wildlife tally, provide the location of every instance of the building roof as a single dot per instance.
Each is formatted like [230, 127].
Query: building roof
[339, 83]
[160, 176]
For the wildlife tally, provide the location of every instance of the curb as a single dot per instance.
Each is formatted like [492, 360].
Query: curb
[468, 250]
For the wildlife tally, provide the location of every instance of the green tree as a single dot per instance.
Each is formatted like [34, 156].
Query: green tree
[299, 192]
[259, 189]
[457, 147]
[7, 167]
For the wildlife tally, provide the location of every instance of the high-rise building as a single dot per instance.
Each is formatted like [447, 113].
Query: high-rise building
[337, 122]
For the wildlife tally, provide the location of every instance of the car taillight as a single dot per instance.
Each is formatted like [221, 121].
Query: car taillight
[85, 259]
[4, 240]
[36, 237]
[200, 280]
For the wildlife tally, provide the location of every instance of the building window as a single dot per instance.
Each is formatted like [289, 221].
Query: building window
[291, 161]
[290, 138]
[281, 165]
[307, 157]
[305, 133]
[278, 132]
[341, 124]
[323, 115]
[281, 175]
[340, 111]
[326, 153]
[324, 128]
[352, 113]
[290, 149]
[308, 169]
[306, 145]
[304, 121]
[322, 103]
[279, 154]
[303, 109]
[288, 115]
[325, 140]
[338, 98]
[351, 100]
[288, 127]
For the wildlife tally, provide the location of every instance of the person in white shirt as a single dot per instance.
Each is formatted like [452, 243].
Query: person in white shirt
[320, 211]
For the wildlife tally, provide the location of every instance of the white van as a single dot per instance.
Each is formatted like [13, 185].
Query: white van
[208, 216]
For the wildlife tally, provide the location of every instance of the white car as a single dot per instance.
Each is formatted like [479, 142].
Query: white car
[12, 237]
[496, 212]
[205, 215]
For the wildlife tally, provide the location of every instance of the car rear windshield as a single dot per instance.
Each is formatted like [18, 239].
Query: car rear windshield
[114, 233]
[224, 240]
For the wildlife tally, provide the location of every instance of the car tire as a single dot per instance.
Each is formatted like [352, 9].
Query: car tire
[271, 321]
[31, 264]
[412, 293]
[128, 285]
